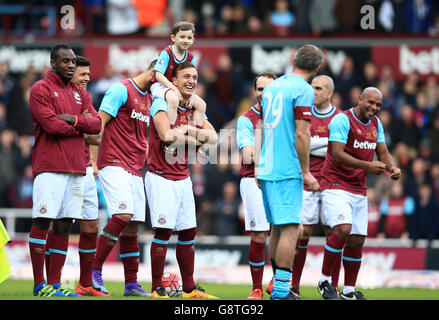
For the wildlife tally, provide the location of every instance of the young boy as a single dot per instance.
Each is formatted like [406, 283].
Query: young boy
[183, 37]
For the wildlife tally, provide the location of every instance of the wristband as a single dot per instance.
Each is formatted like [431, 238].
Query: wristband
[76, 121]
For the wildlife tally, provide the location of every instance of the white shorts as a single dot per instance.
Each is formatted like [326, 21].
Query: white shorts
[91, 204]
[254, 212]
[171, 203]
[158, 90]
[123, 192]
[312, 208]
[58, 195]
[342, 207]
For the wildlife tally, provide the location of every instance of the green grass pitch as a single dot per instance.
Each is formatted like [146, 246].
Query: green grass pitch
[22, 290]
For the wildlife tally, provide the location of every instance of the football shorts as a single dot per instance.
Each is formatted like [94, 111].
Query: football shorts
[312, 208]
[282, 200]
[254, 213]
[58, 195]
[343, 207]
[91, 204]
[123, 192]
[171, 202]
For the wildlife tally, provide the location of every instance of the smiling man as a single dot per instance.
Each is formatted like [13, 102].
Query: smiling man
[60, 115]
[354, 137]
[169, 187]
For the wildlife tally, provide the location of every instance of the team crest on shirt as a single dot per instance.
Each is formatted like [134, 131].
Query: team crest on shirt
[374, 132]
[122, 205]
[142, 106]
[76, 95]
[161, 220]
[43, 209]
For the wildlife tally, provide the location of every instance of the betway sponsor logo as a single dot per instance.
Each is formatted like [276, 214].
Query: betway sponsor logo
[140, 116]
[424, 62]
[364, 145]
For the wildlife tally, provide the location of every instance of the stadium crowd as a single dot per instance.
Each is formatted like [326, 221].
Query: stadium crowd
[410, 110]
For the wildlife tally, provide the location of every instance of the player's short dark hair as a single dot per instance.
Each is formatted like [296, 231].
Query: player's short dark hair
[308, 57]
[182, 26]
[82, 61]
[182, 66]
[54, 53]
[267, 74]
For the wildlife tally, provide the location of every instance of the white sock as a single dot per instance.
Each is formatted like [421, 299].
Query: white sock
[323, 278]
[348, 289]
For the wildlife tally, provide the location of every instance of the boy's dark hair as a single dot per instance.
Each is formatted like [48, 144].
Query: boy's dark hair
[267, 74]
[82, 61]
[182, 66]
[183, 26]
[54, 53]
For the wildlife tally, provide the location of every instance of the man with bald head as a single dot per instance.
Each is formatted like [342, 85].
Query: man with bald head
[322, 113]
[355, 135]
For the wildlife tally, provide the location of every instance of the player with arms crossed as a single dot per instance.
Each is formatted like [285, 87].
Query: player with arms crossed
[254, 214]
[169, 187]
[354, 137]
[122, 155]
[283, 165]
[183, 37]
[60, 115]
[322, 113]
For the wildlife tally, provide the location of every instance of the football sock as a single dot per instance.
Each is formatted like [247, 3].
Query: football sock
[159, 247]
[107, 240]
[333, 250]
[185, 257]
[281, 282]
[87, 254]
[47, 257]
[256, 260]
[58, 254]
[336, 273]
[37, 248]
[351, 264]
[299, 261]
[129, 254]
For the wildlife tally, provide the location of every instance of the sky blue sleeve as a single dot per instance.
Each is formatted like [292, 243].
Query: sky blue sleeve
[115, 97]
[159, 104]
[384, 207]
[162, 62]
[409, 206]
[306, 99]
[245, 133]
[381, 137]
[339, 128]
[194, 62]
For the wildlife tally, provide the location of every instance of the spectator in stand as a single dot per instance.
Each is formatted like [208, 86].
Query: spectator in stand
[224, 22]
[407, 94]
[346, 80]
[321, 15]
[282, 19]
[103, 84]
[7, 82]
[389, 103]
[225, 211]
[348, 16]
[8, 164]
[396, 212]
[417, 176]
[301, 9]
[405, 129]
[386, 76]
[3, 116]
[228, 86]
[431, 91]
[418, 16]
[391, 15]
[425, 224]
[150, 13]
[433, 135]
[369, 77]
[20, 195]
[121, 17]
[19, 115]
[386, 120]
[422, 113]
[239, 19]
[434, 171]
[255, 25]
